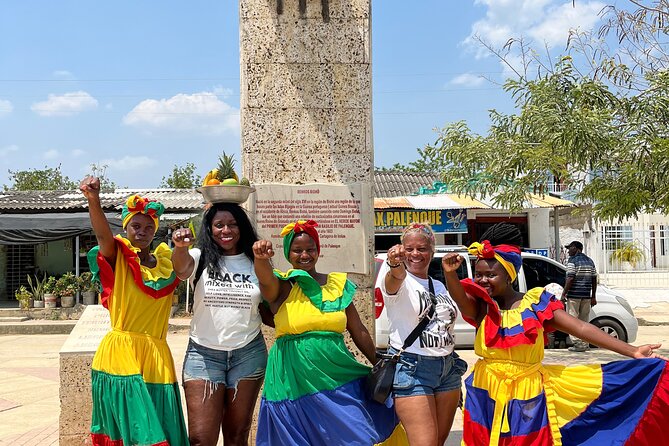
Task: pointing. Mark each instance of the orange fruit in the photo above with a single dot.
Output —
(213, 182)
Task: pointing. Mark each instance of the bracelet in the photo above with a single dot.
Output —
(393, 266)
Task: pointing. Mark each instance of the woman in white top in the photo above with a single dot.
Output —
(226, 356)
(428, 377)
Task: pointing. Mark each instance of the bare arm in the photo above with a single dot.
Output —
(90, 187)
(359, 333)
(593, 299)
(567, 286)
(397, 272)
(181, 260)
(468, 305)
(271, 288)
(589, 333)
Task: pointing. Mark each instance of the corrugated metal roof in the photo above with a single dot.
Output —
(173, 199)
(392, 203)
(391, 183)
(445, 201)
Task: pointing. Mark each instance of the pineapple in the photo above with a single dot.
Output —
(226, 170)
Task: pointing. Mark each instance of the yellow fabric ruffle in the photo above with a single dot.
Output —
(334, 287)
(163, 268)
(298, 314)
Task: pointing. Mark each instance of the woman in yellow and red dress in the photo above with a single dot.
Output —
(514, 399)
(136, 399)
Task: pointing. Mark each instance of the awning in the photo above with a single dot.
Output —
(30, 229)
(453, 201)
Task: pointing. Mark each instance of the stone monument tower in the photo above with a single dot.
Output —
(306, 113)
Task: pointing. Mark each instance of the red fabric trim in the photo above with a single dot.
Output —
(133, 264)
(492, 335)
(649, 429)
(475, 434)
(106, 279)
(104, 440)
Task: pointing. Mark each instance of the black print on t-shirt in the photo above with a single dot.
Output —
(228, 290)
(436, 334)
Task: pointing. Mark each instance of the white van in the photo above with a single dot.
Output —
(613, 314)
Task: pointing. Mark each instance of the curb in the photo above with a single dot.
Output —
(35, 329)
(645, 323)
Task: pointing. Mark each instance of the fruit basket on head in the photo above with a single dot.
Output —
(226, 193)
(222, 185)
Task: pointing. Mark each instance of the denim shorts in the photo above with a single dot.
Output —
(226, 368)
(417, 375)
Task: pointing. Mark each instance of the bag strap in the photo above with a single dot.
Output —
(422, 323)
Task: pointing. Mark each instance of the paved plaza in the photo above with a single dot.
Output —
(29, 376)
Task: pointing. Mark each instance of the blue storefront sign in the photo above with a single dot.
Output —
(443, 221)
(540, 251)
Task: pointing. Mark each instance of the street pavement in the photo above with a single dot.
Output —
(29, 376)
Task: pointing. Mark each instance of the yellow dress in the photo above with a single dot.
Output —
(136, 398)
(512, 398)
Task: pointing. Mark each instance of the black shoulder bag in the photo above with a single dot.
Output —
(379, 382)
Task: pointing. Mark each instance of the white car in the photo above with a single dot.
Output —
(613, 314)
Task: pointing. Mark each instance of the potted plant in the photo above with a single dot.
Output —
(628, 255)
(50, 293)
(89, 289)
(24, 297)
(37, 289)
(67, 286)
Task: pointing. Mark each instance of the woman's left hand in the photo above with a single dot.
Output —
(647, 351)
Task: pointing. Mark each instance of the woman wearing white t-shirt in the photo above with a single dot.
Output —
(428, 378)
(226, 356)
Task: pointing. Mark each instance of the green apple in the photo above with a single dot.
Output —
(229, 181)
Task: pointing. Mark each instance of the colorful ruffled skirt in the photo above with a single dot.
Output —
(619, 403)
(136, 398)
(314, 395)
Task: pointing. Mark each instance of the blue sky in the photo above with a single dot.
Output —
(142, 86)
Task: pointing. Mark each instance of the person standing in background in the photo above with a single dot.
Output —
(580, 288)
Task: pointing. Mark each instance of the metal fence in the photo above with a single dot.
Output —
(633, 253)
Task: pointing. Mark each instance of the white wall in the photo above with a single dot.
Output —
(539, 228)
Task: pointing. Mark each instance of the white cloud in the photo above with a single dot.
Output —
(544, 21)
(128, 163)
(554, 30)
(51, 154)
(5, 151)
(201, 112)
(76, 153)
(63, 74)
(65, 105)
(6, 107)
(467, 80)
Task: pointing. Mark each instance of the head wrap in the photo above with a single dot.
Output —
(507, 255)
(288, 233)
(139, 205)
(421, 228)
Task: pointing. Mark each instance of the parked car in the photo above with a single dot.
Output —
(612, 314)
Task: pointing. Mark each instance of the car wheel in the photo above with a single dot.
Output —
(611, 327)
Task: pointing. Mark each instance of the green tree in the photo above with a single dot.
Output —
(182, 177)
(100, 171)
(612, 149)
(49, 178)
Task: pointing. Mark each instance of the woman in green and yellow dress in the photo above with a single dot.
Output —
(314, 391)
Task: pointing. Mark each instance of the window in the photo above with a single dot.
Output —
(614, 236)
(539, 273)
(436, 272)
